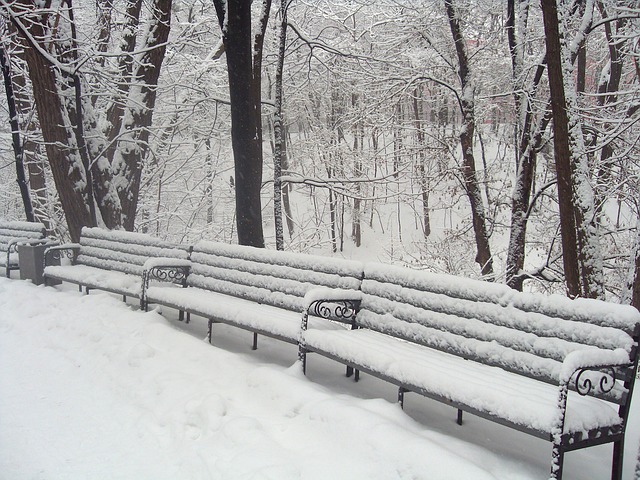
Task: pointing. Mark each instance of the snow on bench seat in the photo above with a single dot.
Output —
(112, 261)
(274, 322)
(559, 369)
(254, 289)
(518, 399)
(97, 278)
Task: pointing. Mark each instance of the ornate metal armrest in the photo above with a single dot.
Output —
(172, 270)
(589, 372)
(69, 250)
(593, 369)
(333, 304)
(167, 270)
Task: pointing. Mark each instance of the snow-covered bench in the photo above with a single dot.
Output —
(115, 261)
(12, 233)
(255, 289)
(560, 369)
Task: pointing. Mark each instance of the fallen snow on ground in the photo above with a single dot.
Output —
(91, 388)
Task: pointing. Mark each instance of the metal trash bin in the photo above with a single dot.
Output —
(31, 258)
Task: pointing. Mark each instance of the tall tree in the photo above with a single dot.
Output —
(15, 135)
(466, 100)
(583, 270)
(91, 166)
(244, 66)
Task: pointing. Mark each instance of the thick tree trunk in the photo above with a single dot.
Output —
(246, 132)
(62, 152)
(33, 160)
(561, 148)
(133, 143)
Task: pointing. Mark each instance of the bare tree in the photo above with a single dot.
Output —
(467, 132)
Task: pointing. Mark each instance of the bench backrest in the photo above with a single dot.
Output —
(526, 333)
(266, 276)
(17, 230)
(123, 251)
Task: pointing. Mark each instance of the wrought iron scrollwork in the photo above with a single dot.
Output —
(344, 310)
(54, 255)
(169, 274)
(172, 274)
(588, 380)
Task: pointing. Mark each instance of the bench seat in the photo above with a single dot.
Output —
(559, 369)
(111, 260)
(484, 390)
(258, 290)
(267, 320)
(97, 278)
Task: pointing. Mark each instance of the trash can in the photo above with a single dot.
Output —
(31, 258)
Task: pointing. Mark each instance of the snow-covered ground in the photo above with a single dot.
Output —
(91, 388)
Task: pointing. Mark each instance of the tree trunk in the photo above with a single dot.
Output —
(246, 133)
(278, 131)
(15, 136)
(422, 173)
(483, 257)
(133, 144)
(561, 148)
(62, 152)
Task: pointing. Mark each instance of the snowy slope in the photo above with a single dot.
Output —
(91, 388)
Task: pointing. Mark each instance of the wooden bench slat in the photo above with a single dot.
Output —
(507, 325)
(583, 310)
(106, 259)
(12, 232)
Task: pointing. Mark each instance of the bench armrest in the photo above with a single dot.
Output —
(163, 269)
(331, 303)
(70, 250)
(583, 360)
(166, 269)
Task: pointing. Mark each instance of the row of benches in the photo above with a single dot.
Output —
(559, 369)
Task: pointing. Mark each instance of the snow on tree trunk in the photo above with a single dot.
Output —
(133, 142)
(589, 251)
(62, 150)
(561, 146)
(15, 134)
(466, 100)
(278, 130)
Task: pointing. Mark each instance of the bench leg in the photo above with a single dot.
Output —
(618, 452)
(401, 397)
(557, 461)
(459, 419)
(188, 317)
(357, 375)
(124, 298)
(302, 357)
(210, 330)
(80, 288)
(349, 371)
(181, 316)
(255, 342)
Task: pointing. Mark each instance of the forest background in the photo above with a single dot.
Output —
(496, 139)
